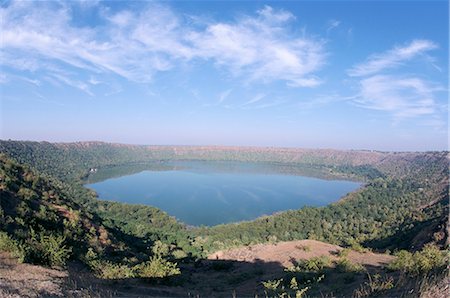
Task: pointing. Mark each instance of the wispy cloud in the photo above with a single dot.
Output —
(137, 45)
(94, 81)
(265, 105)
(392, 58)
(224, 95)
(73, 83)
(319, 101)
(401, 94)
(255, 99)
(41, 98)
(3, 78)
(133, 45)
(8, 77)
(261, 48)
(332, 24)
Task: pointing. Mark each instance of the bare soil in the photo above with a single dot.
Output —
(25, 280)
(287, 252)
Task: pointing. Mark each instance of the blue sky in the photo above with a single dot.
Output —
(336, 74)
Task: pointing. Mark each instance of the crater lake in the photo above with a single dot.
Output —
(210, 193)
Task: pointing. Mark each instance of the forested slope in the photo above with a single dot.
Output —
(41, 223)
(39, 216)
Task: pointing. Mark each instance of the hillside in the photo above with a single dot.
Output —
(39, 216)
(242, 273)
(42, 224)
(49, 218)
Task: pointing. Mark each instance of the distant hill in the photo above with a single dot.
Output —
(73, 160)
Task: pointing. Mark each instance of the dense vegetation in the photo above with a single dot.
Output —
(40, 223)
(48, 217)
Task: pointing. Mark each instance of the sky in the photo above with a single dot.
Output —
(313, 74)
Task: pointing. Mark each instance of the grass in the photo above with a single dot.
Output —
(375, 285)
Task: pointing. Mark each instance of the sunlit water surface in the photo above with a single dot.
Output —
(210, 193)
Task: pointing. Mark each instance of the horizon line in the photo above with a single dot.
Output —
(230, 146)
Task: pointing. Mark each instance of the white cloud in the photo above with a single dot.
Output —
(261, 48)
(160, 31)
(132, 45)
(404, 97)
(392, 58)
(399, 93)
(275, 16)
(138, 44)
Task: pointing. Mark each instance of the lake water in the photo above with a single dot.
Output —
(210, 193)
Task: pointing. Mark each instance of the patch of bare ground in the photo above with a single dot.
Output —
(25, 280)
(285, 252)
(269, 262)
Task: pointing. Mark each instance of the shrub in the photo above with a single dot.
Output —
(343, 252)
(54, 252)
(272, 285)
(110, 270)
(278, 288)
(179, 254)
(345, 265)
(106, 269)
(404, 262)
(12, 246)
(47, 249)
(315, 264)
(160, 249)
(356, 246)
(421, 262)
(157, 267)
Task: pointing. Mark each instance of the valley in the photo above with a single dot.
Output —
(401, 212)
